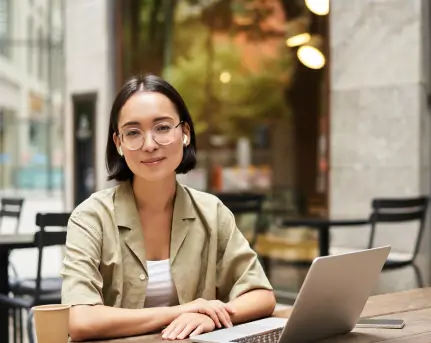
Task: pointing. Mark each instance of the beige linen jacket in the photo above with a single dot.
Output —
(105, 257)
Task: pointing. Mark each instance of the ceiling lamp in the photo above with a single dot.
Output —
(297, 32)
(298, 40)
(311, 54)
(225, 77)
(319, 7)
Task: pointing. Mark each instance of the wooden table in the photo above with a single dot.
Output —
(9, 242)
(413, 306)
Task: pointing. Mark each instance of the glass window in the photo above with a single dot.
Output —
(257, 110)
(260, 113)
(30, 48)
(41, 57)
(5, 27)
(8, 148)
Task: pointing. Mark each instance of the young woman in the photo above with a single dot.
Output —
(151, 254)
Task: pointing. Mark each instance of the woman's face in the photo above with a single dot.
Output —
(150, 119)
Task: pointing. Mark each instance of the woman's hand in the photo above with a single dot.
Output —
(218, 311)
(188, 324)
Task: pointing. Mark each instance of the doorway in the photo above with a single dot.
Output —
(84, 112)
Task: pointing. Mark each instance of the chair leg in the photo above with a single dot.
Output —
(18, 334)
(15, 331)
(17, 226)
(266, 265)
(30, 326)
(21, 326)
(418, 274)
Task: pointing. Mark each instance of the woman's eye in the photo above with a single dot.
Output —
(132, 133)
(163, 128)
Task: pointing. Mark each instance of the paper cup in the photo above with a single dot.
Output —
(52, 323)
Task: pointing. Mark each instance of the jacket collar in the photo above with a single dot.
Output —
(127, 216)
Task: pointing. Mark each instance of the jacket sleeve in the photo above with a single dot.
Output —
(238, 268)
(82, 281)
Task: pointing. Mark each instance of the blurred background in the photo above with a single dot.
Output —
(315, 108)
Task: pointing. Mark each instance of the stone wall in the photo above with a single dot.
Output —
(380, 120)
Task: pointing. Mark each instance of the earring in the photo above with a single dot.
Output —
(120, 151)
(185, 140)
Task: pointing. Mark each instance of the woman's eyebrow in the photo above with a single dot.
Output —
(134, 122)
(128, 123)
(162, 118)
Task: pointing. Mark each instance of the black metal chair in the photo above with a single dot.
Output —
(400, 210)
(11, 208)
(39, 291)
(245, 203)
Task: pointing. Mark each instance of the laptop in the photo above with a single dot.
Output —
(329, 303)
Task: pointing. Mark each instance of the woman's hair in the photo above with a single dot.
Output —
(116, 165)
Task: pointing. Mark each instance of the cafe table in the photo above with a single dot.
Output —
(414, 306)
(323, 226)
(9, 242)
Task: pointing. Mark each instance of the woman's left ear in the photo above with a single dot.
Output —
(186, 134)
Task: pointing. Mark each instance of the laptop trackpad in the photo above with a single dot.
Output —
(242, 330)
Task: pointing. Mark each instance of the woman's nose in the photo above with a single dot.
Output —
(149, 143)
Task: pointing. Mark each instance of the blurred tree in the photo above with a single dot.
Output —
(177, 39)
(244, 100)
(213, 78)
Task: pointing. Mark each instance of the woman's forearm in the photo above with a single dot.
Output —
(90, 322)
(253, 305)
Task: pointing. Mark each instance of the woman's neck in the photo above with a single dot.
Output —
(154, 195)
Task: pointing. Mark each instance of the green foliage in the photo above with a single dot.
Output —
(251, 97)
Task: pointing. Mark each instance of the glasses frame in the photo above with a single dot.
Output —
(121, 136)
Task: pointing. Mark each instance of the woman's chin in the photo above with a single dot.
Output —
(155, 175)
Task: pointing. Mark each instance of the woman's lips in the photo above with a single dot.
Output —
(153, 161)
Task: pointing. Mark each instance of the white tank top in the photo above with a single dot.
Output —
(161, 290)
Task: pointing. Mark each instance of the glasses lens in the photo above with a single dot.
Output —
(164, 133)
(133, 139)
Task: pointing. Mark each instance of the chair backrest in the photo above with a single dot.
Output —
(290, 201)
(44, 238)
(11, 207)
(399, 210)
(60, 219)
(244, 203)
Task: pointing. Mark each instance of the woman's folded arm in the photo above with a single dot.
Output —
(98, 321)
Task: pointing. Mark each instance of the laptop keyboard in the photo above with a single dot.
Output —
(265, 337)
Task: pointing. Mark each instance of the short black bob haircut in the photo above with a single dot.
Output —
(116, 165)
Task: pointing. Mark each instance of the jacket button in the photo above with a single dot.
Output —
(142, 277)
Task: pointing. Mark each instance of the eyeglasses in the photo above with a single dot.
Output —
(163, 134)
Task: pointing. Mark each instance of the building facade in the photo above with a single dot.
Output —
(380, 122)
(90, 90)
(31, 93)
